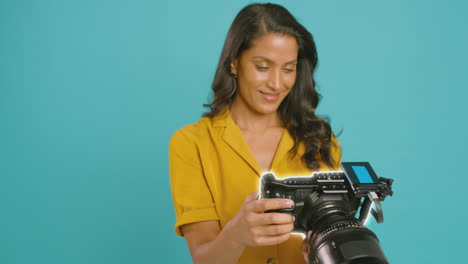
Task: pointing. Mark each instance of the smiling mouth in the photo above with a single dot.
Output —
(270, 97)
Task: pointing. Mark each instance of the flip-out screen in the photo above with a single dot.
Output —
(359, 172)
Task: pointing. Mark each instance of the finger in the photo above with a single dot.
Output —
(251, 197)
(305, 247)
(263, 205)
(276, 230)
(306, 257)
(272, 240)
(275, 219)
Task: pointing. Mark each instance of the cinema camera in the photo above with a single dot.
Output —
(326, 204)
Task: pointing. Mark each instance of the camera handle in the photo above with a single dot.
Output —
(366, 208)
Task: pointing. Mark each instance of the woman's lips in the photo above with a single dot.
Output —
(270, 97)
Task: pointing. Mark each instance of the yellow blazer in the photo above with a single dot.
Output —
(212, 170)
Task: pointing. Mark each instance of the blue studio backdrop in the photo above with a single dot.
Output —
(91, 92)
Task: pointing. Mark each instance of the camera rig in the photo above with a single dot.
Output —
(357, 180)
(327, 202)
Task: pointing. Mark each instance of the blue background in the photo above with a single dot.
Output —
(91, 91)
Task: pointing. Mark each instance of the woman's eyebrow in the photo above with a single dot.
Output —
(291, 62)
(263, 58)
(270, 61)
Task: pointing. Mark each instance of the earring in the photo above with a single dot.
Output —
(233, 88)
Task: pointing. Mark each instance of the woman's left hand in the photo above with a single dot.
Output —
(306, 247)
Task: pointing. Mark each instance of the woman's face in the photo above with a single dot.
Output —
(266, 72)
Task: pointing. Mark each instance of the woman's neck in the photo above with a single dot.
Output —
(248, 120)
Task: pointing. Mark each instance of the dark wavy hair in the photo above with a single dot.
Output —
(297, 110)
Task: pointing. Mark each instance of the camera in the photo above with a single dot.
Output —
(327, 203)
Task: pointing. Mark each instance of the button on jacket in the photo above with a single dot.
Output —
(212, 170)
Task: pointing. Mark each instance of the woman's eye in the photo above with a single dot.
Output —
(262, 68)
(288, 70)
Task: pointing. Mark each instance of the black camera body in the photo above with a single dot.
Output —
(326, 203)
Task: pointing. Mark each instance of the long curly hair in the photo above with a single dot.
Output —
(297, 110)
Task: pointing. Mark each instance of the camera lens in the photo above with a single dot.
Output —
(338, 237)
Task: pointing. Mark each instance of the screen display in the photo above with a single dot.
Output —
(362, 174)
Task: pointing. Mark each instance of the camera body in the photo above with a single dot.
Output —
(357, 180)
(326, 204)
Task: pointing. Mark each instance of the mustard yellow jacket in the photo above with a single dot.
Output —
(212, 170)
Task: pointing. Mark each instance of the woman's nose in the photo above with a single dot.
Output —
(274, 81)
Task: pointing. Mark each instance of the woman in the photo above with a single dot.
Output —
(262, 118)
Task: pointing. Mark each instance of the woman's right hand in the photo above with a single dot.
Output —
(252, 227)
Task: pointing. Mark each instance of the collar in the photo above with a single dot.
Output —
(232, 135)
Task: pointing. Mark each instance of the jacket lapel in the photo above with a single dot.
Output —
(234, 138)
(285, 144)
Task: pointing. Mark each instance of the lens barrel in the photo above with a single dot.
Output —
(349, 245)
(338, 237)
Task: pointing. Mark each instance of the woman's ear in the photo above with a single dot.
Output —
(234, 67)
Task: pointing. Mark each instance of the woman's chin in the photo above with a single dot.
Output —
(266, 109)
